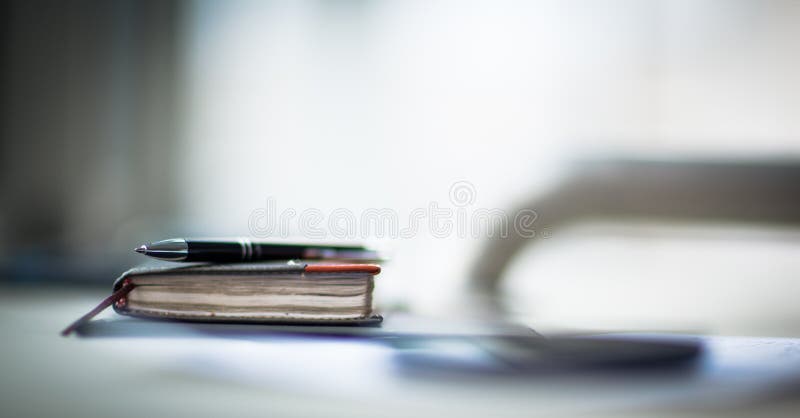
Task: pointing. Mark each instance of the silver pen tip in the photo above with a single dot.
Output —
(142, 249)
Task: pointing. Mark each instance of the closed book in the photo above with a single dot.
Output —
(252, 292)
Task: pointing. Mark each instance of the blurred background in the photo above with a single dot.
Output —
(131, 121)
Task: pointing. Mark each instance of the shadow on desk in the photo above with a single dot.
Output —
(434, 348)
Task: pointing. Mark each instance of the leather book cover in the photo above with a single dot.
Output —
(302, 271)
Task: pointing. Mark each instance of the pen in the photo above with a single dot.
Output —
(245, 249)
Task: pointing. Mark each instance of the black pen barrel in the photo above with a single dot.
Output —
(244, 249)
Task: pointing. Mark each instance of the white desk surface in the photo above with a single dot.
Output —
(44, 374)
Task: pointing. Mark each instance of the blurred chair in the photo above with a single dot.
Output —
(760, 192)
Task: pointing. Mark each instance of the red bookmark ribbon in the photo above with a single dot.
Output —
(126, 287)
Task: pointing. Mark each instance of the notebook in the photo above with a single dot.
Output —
(265, 292)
